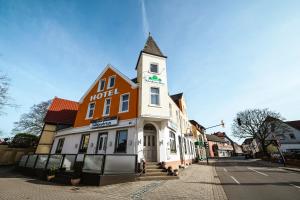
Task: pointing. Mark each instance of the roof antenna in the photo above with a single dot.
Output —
(149, 34)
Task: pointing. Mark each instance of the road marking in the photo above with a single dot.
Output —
(295, 186)
(235, 180)
(258, 172)
(225, 170)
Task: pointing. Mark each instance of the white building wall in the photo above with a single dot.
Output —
(72, 141)
(146, 109)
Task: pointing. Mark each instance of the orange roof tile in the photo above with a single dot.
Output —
(62, 111)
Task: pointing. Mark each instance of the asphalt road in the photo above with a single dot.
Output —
(250, 179)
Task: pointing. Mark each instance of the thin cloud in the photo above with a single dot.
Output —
(145, 18)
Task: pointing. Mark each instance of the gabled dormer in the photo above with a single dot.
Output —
(112, 94)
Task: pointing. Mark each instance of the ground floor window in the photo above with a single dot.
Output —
(172, 142)
(84, 144)
(121, 141)
(60, 145)
(185, 145)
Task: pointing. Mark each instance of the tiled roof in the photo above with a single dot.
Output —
(294, 124)
(248, 141)
(176, 98)
(152, 48)
(62, 111)
(134, 80)
(195, 123)
(214, 138)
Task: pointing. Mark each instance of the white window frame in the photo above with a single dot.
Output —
(109, 80)
(120, 104)
(88, 110)
(158, 96)
(157, 68)
(172, 140)
(105, 105)
(99, 85)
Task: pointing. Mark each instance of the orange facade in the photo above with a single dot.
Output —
(121, 86)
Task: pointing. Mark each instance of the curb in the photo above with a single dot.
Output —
(290, 169)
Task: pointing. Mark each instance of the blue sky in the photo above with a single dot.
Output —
(225, 56)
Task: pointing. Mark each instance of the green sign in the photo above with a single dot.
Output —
(154, 78)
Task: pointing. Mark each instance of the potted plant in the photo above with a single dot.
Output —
(76, 176)
(170, 171)
(176, 172)
(51, 174)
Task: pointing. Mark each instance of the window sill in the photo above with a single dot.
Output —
(153, 105)
(120, 112)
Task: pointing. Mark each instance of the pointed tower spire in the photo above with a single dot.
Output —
(151, 47)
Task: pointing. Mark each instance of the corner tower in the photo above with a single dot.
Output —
(152, 79)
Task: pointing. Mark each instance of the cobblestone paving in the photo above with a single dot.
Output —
(196, 182)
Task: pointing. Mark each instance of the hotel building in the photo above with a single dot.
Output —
(118, 115)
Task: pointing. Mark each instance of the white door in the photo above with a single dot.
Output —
(150, 146)
(102, 142)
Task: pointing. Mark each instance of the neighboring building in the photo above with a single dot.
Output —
(61, 114)
(288, 137)
(118, 115)
(250, 147)
(199, 132)
(219, 147)
(237, 149)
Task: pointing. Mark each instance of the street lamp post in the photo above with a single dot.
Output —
(207, 149)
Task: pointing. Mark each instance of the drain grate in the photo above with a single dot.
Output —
(146, 188)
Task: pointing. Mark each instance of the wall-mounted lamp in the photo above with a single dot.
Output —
(92, 144)
(110, 144)
(161, 142)
(76, 145)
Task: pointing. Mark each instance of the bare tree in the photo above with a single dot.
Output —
(33, 121)
(4, 98)
(258, 124)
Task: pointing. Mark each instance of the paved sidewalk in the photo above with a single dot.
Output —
(195, 182)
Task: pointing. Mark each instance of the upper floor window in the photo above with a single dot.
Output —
(84, 143)
(124, 103)
(106, 108)
(91, 110)
(154, 68)
(101, 85)
(121, 141)
(60, 145)
(154, 96)
(111, 82)
(172, 142)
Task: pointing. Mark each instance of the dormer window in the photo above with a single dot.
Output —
(101, 85)
(111, 82)
(154, 68)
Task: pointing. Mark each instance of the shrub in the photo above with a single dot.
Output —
(24, 140)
